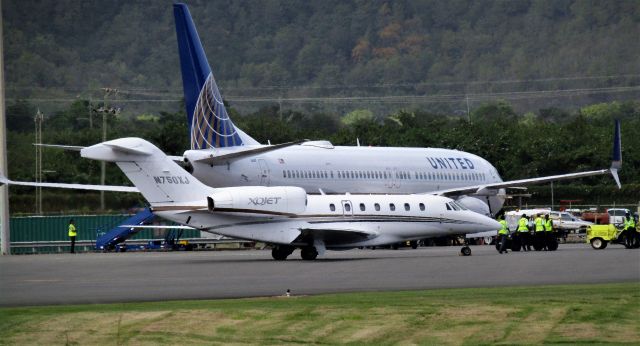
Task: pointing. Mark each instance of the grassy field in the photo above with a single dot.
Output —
(595, 314)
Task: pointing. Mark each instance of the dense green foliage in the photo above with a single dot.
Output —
(539, 81)
(519, 146)
(332, 48)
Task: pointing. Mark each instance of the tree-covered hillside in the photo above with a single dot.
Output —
(426, 54)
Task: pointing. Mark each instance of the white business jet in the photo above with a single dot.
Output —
(284, 216)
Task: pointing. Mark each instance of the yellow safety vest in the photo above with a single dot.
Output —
(548, 226)
(522, 225)
(72, 230)
(504, 229)
(539, 224)
(629, 223)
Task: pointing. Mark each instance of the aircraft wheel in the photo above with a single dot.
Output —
(395, 246)
(414, 244)
(308, 253)
(465, 251)
(598, 243)
(279, 254)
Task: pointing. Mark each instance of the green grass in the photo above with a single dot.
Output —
(594, 314)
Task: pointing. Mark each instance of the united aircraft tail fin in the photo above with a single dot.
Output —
(154, 174)
(208, 121)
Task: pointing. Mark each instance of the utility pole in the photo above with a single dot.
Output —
(90, 113)
(5, 239)
(38, 122)
(105, 111)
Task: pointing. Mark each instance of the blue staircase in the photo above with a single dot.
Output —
(118, 234)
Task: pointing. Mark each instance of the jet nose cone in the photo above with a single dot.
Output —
(490, 223)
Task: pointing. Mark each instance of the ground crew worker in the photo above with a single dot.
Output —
(72, 235)
(523, 231)
(548, 230)
(630, 230)
(539, 224)
(503, 232)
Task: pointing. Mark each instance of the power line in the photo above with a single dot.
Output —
(159, 92)
(435, 98)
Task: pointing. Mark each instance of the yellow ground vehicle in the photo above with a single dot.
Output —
(600, 235)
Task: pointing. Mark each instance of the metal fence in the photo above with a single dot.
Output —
(37, 234)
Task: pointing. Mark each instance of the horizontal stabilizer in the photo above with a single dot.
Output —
(223, 159)
(60, 146)
(113, 188)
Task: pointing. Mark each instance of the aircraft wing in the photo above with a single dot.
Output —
(114, 188)
(223, 159)
(159, 227)
(491, 189)
(485, 189)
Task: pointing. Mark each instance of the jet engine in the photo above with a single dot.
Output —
(475, 204)
(259, 199)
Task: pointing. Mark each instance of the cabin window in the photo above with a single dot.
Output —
(407, 207)
(284, 174)
(362, 208)
(347, 207)
(332, 207)
(448, 207)
(288, 174)
(422, 207)
(339, 175)
(331, 174)
(376, 207)
(392, 207)
(385, 175)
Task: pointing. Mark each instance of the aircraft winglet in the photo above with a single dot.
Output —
(616, 156)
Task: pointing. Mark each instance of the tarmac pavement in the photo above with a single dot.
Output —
(158, 276)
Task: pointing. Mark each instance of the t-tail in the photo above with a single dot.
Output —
(208, 121)
(160, 180)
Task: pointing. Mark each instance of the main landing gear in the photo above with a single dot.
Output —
(281, 252)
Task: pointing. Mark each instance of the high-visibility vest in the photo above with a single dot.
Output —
(523, 225)
(504, 229)
(72, 230)
(629, 223)
(539, 224)
(548, 225)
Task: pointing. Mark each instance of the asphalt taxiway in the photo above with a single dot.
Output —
(129, 277)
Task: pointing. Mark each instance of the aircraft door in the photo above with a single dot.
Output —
(392, 181)
(347, 208)
(264, 172)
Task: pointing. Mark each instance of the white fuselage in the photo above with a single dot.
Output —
(341, 221)
(386, 170)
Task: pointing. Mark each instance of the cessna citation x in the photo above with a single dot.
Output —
(223, 155)
(284, 216)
